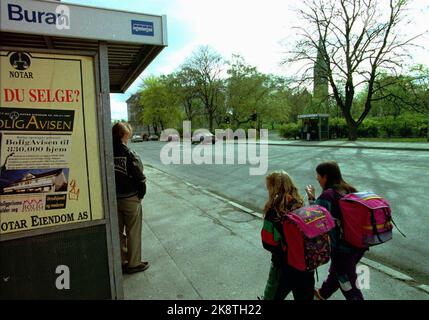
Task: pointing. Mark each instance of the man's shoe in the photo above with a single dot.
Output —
(124, 268)
(141, 267)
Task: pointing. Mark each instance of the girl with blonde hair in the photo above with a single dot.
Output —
(283, 197)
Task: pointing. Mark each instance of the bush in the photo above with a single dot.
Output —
(369, 128)
(387, 127)
(411, 125)
(407, 125)
(338, 128)
(403, 126)
(423, 131)
(290, 130)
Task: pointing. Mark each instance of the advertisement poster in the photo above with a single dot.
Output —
(49, 165)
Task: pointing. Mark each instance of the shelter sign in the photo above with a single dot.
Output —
(50, 168)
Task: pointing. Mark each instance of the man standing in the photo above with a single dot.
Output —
(130, 191)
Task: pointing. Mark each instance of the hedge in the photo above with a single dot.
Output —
(403, 126)
(290, 130)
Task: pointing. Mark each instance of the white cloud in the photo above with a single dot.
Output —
(118, 109)
(253, 29)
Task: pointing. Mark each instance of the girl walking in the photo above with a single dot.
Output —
(344, 258)
(283, 196)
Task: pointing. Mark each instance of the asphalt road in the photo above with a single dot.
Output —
(400, 176)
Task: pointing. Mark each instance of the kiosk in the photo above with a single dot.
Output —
(59, 62)
(314, 127)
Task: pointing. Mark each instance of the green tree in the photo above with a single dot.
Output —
(184, 86)
(204, 68)
(300, 101)
(246, 92)
(159, 105)
(409, 92)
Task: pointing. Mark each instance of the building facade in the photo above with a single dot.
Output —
(134, 112)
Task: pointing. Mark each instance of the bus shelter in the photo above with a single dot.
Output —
(59, 62)
(314, 126)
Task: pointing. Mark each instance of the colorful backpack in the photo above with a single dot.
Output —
(306, 231)
(366, 219)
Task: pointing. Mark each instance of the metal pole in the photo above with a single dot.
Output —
(110, 212)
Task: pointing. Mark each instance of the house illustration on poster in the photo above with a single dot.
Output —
(52, 181)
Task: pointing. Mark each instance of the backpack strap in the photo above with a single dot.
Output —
(374, 227)
(398, 228)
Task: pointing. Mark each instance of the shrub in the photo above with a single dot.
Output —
(423, 131)
(387, 127)
(290, 130)
(410, 125)
(369, 128)
(338, 128)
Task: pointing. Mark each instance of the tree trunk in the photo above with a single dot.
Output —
(353, 131)
(211, 122)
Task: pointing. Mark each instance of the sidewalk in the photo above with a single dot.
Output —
(201, 247)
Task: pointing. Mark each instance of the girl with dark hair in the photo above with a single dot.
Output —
(344, 258)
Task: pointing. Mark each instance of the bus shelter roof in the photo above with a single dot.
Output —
(133, 39)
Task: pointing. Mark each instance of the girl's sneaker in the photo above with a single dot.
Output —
(317, 295)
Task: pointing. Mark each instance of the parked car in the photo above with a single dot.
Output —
(168, 137)
(173, 137)
(153, 137)
(136, 138)
(204, 137)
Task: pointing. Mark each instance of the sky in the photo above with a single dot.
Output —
(260, 31)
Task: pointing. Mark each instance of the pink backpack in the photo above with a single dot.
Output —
(366, 219)
(306, 231)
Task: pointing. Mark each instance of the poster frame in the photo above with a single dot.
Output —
(75, 225)
(105, 155)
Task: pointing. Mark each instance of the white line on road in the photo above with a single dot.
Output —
(234, 204)
(424, 288)
(393, 273)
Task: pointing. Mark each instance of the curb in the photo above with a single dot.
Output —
(382, 268)
(424, 287)
(281, 144)
(350, 147)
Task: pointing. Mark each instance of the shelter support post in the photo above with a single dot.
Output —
(109, 183)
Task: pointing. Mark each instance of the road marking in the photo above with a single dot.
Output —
(393, 273)
(239, 206)
(424, 288)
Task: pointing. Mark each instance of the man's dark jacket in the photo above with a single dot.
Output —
(129, 176)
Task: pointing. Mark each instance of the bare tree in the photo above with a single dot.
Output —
(205, 66)
(356, 41)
